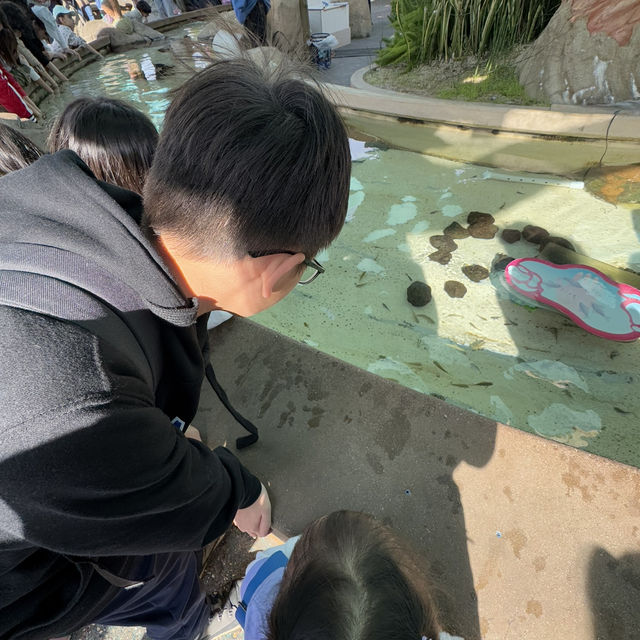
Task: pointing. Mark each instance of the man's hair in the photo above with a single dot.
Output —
(114, 139)
(351, 578)
(16, 150)
(250, 159)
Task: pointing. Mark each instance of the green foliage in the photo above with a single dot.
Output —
(426, 30)
(496, 83)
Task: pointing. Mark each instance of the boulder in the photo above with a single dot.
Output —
(587, 54)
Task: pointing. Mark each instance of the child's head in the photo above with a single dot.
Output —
(64, 16)
(40, 30)
(350, 578)
(251, 162)
(144, 8)
(16, 150)
(9, 46)
(112, 9)
(113, 138)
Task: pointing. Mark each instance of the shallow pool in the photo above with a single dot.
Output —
(471, 345)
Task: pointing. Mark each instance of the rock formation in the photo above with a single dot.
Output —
(588, 54)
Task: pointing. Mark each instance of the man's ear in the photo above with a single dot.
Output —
(277, 267)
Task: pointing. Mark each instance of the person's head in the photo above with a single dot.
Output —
(112, 9)
(40, 30)
(16, 150)
(114, 139)
(250, 179)
(349, 578)
(9, 46)
(16, 18)
(64, 16)
(144, 8)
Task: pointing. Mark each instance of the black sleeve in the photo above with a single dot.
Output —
(117, 478)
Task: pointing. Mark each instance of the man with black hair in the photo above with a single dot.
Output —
(105, 504)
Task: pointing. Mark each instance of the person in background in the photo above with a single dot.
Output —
(66, 26)
(16, 64)
(378, 589)
(145, 10)
(40, 9)
(166, 8)
(115, 140)
(22, 22)
(14, 100)
(25, 54)
(253, 15)
(16, 150)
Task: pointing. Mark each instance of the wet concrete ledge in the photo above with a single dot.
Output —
(524, 537)
(560, 139)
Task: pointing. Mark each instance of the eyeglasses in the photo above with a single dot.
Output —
(312, 267)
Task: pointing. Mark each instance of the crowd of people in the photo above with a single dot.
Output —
(107, 497)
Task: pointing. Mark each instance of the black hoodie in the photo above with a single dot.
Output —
(99, 351)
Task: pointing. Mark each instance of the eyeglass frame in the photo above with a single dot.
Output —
(309, 262)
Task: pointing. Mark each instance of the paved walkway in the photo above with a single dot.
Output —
(362, 52)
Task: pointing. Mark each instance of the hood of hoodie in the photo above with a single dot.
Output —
(71, 220)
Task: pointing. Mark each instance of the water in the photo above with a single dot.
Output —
(530, 368)
(112, 77)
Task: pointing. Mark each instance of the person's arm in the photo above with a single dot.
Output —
(119, 479)
(87, 46)
(49, 24)
(35, 63)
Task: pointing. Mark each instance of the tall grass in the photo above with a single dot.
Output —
(441, 29)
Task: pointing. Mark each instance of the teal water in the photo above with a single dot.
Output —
(531, 369)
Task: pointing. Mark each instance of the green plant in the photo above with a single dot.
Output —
(441, 29)
(497, 83)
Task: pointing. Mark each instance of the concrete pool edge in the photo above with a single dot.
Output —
(490, 505)
(493, 135)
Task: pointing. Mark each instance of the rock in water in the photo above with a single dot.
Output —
(456, 231)
(419, 293)
(442, 256)
(535, 235)
(455, 289)
(484, 230)
(475, 272)
(511, 235)
(443, 242)
(563, 242)
(477, 217)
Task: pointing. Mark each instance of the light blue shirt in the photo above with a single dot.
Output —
(261, 603)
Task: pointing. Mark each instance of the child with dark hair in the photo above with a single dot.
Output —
(16, 64)
(22, 23)
(346, 577)
(66, 26)
(115, 140)
(16, 150)
(144, 8)
(40, 9)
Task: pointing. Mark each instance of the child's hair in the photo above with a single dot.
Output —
(9, 47)
(143, 7)
(351, 578)
(113, 6)
(250, 159)
(113, 138)
(16, 150)
(20, 19)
